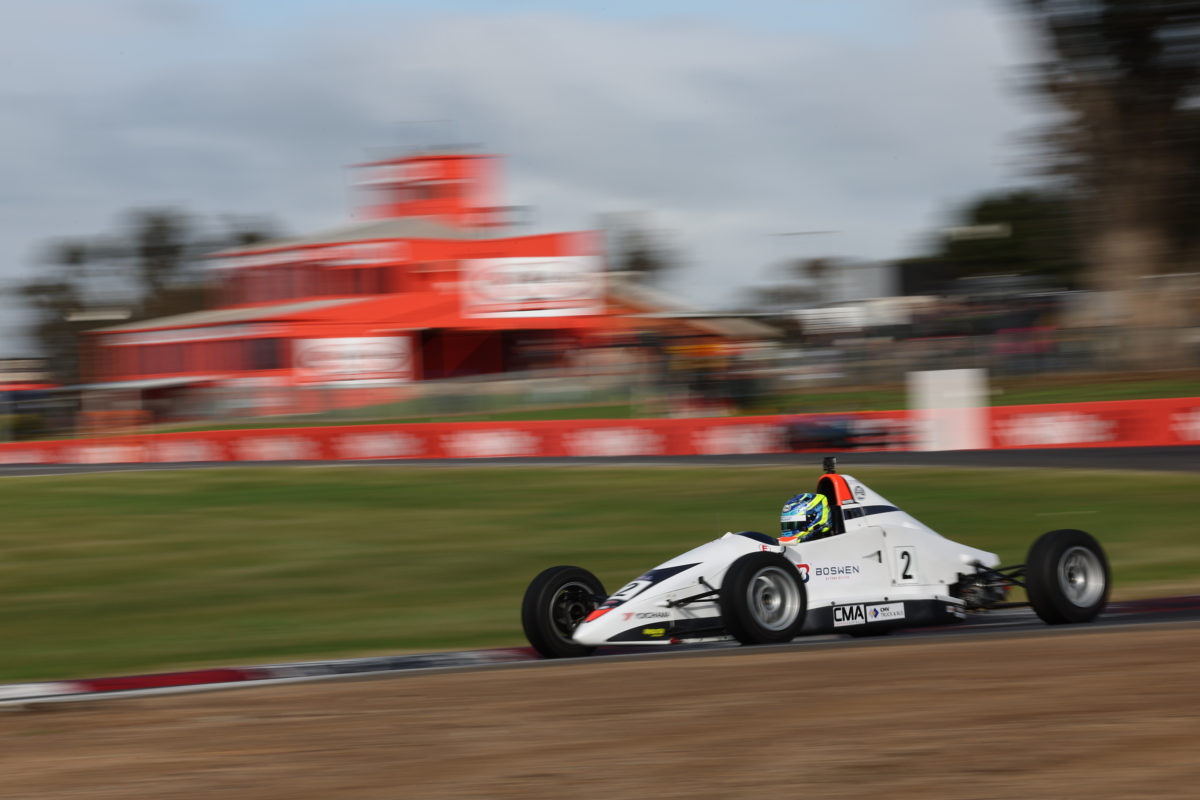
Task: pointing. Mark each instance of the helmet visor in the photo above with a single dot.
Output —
(813, 518)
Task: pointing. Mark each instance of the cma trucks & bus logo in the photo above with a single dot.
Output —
(886, 611)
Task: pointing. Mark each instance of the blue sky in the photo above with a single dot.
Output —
(877, 19)
(721, 124)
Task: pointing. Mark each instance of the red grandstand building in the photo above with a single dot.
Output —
(423, 286)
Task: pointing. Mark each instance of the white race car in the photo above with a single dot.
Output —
(880, 570)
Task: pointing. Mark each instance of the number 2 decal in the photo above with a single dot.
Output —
(906, 565)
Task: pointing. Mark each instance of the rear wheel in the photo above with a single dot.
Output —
(763, 599)
(557, 600)
(1067, 577)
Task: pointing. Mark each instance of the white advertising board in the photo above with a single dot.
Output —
(557, 286)
(364, 360)
(949, 409)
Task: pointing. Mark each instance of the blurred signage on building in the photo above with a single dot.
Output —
(364, 360)
(334, 255)
(557, 286)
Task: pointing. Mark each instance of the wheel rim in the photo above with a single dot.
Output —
(568, 607)
(774, 598)
(1081, 576)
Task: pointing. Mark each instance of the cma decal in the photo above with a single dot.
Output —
(849, 615)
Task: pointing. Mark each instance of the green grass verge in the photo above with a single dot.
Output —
(367, 416)
(159, 570)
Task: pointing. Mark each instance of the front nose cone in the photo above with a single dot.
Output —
(590, 632)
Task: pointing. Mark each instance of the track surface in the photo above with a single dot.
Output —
(1093, 714)
(1005, 622)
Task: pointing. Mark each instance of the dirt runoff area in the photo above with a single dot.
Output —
(1093, 714)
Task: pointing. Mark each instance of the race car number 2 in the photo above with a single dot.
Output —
(905, 566)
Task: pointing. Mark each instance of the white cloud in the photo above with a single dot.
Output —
(726, 134)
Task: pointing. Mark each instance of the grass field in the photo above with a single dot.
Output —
(157, 570)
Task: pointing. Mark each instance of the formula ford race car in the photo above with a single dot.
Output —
(880, 570)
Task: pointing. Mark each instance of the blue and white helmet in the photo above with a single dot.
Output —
(805, 516)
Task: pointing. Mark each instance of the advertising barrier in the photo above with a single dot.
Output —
(1115, 423)
(1130, 423)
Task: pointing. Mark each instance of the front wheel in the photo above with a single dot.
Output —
(557, 600)
(1067, 577)
(763, 599)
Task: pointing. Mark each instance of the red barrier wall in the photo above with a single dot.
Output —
(1119, 423)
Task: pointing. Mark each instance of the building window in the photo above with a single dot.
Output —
(264, 354)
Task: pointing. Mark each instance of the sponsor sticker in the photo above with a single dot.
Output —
(886, 611)
(837, 572)
(849, 615)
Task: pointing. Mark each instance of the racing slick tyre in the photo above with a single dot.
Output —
(1067, 577)
(763, 599)
(557, 600)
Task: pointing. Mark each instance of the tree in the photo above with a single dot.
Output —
(1031, 232)
(152, 268)
(1126, 74)
(160, 240)
(635, 249)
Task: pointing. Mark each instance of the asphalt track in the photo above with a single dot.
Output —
(1170, 459)
(1002, 623)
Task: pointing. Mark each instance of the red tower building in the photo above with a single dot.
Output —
(425, 285)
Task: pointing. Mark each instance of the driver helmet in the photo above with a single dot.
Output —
(804, 517)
